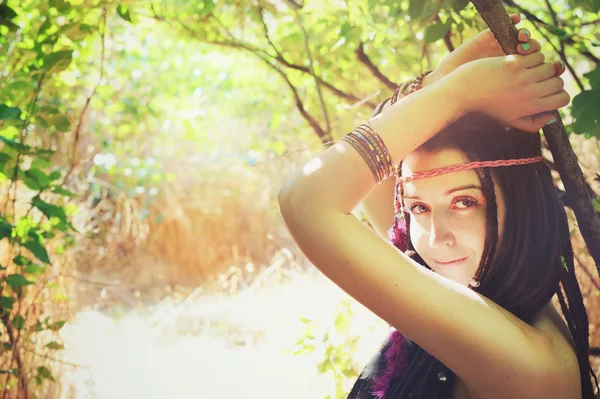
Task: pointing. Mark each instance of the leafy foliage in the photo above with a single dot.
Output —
(73, 68)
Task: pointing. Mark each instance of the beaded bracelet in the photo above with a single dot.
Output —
(409, 87)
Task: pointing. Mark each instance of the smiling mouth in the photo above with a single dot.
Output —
(449, 263)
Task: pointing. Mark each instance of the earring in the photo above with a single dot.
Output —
(474, 283)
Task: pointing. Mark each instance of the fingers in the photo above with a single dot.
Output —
(553, 102)
(515, 18)
(546, 71)
(559, 67)
(533, 123)
(531, 60)
(541, 72)
(524, 35)
(529, 47)
(550, 86)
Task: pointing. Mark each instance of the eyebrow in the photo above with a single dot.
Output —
(452, 190)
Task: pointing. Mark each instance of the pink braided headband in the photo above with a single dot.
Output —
(471, 165)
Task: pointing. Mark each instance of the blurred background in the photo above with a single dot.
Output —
(143, 144)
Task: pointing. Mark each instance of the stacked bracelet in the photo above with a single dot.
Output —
(409, 87)
(373, 150)
(370, 145)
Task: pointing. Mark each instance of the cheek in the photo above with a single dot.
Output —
(469, 233)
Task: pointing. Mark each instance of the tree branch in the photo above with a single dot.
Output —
(88, 100)
(234, 43)
(570, 173)
(364, 59)
(532, 17)
(313, 74)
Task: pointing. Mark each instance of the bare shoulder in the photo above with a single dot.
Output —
(553, 327)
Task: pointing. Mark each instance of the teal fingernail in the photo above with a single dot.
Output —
(551, 121)
(526, 32)
(526, 46)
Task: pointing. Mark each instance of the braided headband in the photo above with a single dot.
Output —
(471, 165)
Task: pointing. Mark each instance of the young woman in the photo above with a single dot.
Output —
(480, 242)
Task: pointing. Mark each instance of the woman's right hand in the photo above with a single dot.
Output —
(520, 90)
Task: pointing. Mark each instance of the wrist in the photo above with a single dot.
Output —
(432, 78)
(452, 86)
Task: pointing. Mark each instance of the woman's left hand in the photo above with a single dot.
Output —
(485, 45)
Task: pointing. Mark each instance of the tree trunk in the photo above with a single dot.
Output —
(499, 22)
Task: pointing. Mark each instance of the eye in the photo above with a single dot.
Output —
(467, 202)
(417, 209)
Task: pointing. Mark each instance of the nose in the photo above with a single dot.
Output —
(440, 234)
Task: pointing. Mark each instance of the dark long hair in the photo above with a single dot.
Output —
(533, 262)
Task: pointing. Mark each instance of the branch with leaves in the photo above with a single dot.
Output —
(494, 14)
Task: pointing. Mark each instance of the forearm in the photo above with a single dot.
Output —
(339, 179)
(382, 195)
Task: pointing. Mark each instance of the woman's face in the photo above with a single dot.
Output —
(447, 214)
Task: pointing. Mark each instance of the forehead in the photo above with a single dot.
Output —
(420, 161)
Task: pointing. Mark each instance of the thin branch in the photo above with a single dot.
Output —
(261, 54)
(366, 61)
(88, 100)
(325, 137)
(571, 175)
(22, 135)
(562, 53)
(266, 31)
(562, 56)
(587, 272)
(552, 13)
(532, 17)
(313, 74)
(448, 40)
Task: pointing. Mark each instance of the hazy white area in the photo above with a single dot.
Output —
(213, 347)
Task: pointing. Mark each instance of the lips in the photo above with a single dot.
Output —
(449, 263)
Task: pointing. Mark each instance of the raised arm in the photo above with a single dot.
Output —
(500, 356)
(379, 203)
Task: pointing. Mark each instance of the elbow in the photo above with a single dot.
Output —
(297, 205)
(287, 201)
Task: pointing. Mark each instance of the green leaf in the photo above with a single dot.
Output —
(39, 179)
(17, 280)
(44, 373)
(57, 325)
(15, 145)
(594, 78)
(586, 113)
(34, 269)
(123, 12)
(61, 123)
(459, 5)
(4, 158)
(20, 260)
(49, 210)
(12, 113)
(435, 32)
(38, 250)
(6, 302)
(5, 230)
(7, 12)
(60, 5)
(415, 8)
(207, 7)
(57, 61)
(62, 191)
(18, 321)
(76, 31)
(596, 203)
(55, 346)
